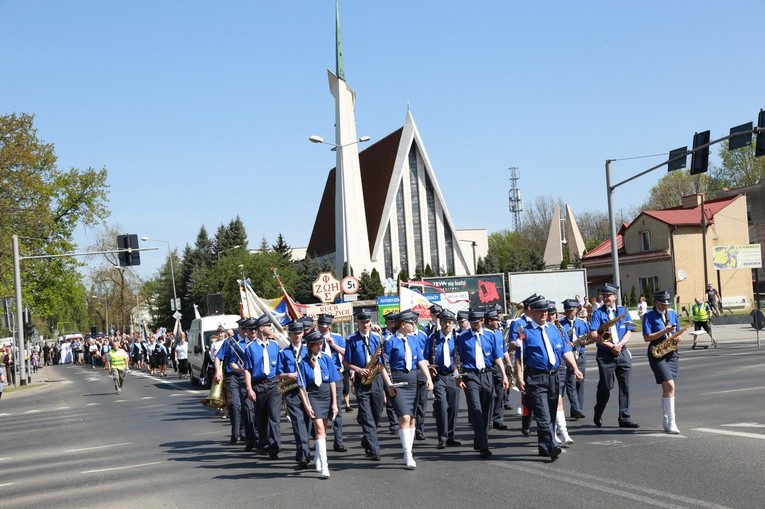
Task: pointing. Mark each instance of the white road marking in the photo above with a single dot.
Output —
(6, 484)
(92, 404)
(663, 435)
(8, 458)
(63, 408)
(649, 496)
(120, 400)
(97, 447)
(199, 434)
(735, 390)
(120, 468)
(33, 411)
(607, 442)
(148, 397)
(4, 415)
(731, 433)
(744, 425)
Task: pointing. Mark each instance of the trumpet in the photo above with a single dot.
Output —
(666, 346)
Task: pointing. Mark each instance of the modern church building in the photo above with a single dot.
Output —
(382, 208)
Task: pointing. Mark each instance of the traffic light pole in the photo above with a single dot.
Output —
(611, 188)
(20, 358)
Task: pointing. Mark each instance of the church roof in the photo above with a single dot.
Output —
(376, 164)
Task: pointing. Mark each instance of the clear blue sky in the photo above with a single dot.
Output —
(201, 110)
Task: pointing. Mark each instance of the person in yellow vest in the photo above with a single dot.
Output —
(118, 360)
(701, 311)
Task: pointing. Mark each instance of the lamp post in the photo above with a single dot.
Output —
(343, 199)
(174, 307)
(473, 243)
(229, 249)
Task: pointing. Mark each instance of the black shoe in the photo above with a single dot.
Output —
(441, 445)
(508, 407)
(348, 409)
(453, 442)
(598, 421)
(302, 464)
(232, 441)
(553, 454)
(249, 448)
(577, 415)
(374, 457)
(419, 435)
(628, 424)
(392, 431)
(526, 433)
(485, 454)
(500, 425)
(340, 448)
(273, 455)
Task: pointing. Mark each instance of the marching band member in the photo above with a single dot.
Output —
(287, 373)
(360, 349)
(491, 323)
(477, 351)
(658, 324)
(317, 377)
(422, 390)
(560, 414)
(334, 346)
(537, 371)
(403, 355)
(439, 353)
(576, 331)
(390, 413)
(516, 326)
(231, 355)
(260, 378)
(613, 357)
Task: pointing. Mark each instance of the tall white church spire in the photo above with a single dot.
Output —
(351, 236)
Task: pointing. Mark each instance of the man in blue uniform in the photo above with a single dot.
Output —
(478, 352)
(543, 350)
(229, 361)
(334, 346)
(576, 331)
(287, 373)
(613, 357)
(262, 388)
(515, 336)
(491, 323)
(439, 353)
(360, 348)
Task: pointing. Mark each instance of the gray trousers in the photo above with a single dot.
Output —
(370, 401)
(610, 367)
(542, 397)
(479, 393)
(268, 409)
(446, 402)
(298, 419)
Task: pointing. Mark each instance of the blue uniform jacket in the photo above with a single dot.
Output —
(581, 329)
(328, 371)
(395, 351)
(439, 346)
(466, 345)
(355, 351)
(600, 316)
(534, 350)
(253, 361)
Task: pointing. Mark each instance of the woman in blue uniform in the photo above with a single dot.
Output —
(317, 377)
(658, 324)
(402, 355)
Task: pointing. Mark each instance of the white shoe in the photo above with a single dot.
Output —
(409, 460)
(567, 438)
(324, 472)
(557, 442)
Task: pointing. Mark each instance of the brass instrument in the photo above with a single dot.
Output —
(286, 385)
(604, 331)
(667, 346)
(373, 366)
(458, 360)
(215, 398)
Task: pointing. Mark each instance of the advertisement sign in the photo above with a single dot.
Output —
(746, 256)
(342, 312)
(483, 290)
(451, 301)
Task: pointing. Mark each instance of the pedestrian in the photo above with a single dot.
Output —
(402, 355)
(543, 350)
(161, 354)
(713, 299)
(9, 363)
(2, 380)
(659, 324)
(35, 361)
(446, 398)
(642, 307)
(287, 373)
(317, 378)
(229, 368)
(612, 329)
(576, 332)
(334, 347)
(118, 360)
(105, 348)
(700, 311)
(182, 355)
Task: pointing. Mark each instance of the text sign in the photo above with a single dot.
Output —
(326, 287)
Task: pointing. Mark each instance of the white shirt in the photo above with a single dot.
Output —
(182, 351)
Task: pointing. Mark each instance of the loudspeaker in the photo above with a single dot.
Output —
(93, 331)
(215, 304)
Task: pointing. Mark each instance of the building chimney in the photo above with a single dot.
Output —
(691, 201)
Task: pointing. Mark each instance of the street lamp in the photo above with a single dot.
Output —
(229, 249)
(174, 307)
(318, 139)
(473, 243)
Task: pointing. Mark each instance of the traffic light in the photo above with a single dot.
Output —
(677, 158)
(700, 157)
(759, 146)
(128, 250)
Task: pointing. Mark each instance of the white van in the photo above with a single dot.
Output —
(199, 339)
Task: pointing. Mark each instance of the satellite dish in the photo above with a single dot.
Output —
(681, 275)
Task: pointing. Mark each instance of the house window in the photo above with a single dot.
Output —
(648, 285)
(645, 241)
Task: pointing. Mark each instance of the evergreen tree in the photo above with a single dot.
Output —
(428, 271)
(263, 244)
(282, 248)
(371, 286)
(633, 296)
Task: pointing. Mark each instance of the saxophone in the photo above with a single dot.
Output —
(373, 366)
(604, 331)
(668, 345)
(287, 384)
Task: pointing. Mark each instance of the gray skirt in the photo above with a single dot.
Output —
(404, 402)
(321, 400)
(664, 369)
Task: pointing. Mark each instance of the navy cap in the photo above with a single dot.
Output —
(363, 315)
(391, 316)
(662, 297)
(570, 304)
(475, 315)
(462, 315)
(495, 308)
(295, 327)
(307, 321)
(530, 299)
(324, 320)
(539, 305)
(609, 288)
(551, 307)
(407, 316)
(250, 323)
(491, 314)
(435, 309)
(262, 320)
(446, 315)
(240, 321)
(313, 337)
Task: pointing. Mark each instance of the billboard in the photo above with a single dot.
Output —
(483, 290)
(746, 256)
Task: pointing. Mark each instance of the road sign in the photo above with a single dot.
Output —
(350, 285)
(326, 287)
(177, 315)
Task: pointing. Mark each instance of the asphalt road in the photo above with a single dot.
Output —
(74, 443)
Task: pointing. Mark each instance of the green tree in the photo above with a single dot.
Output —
(371, 286)
(309, 269)
(43, 205)
(670, 188)
(633, 297)
(282, 247)
(738, 168)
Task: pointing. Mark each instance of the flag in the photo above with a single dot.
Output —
(409, 299)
